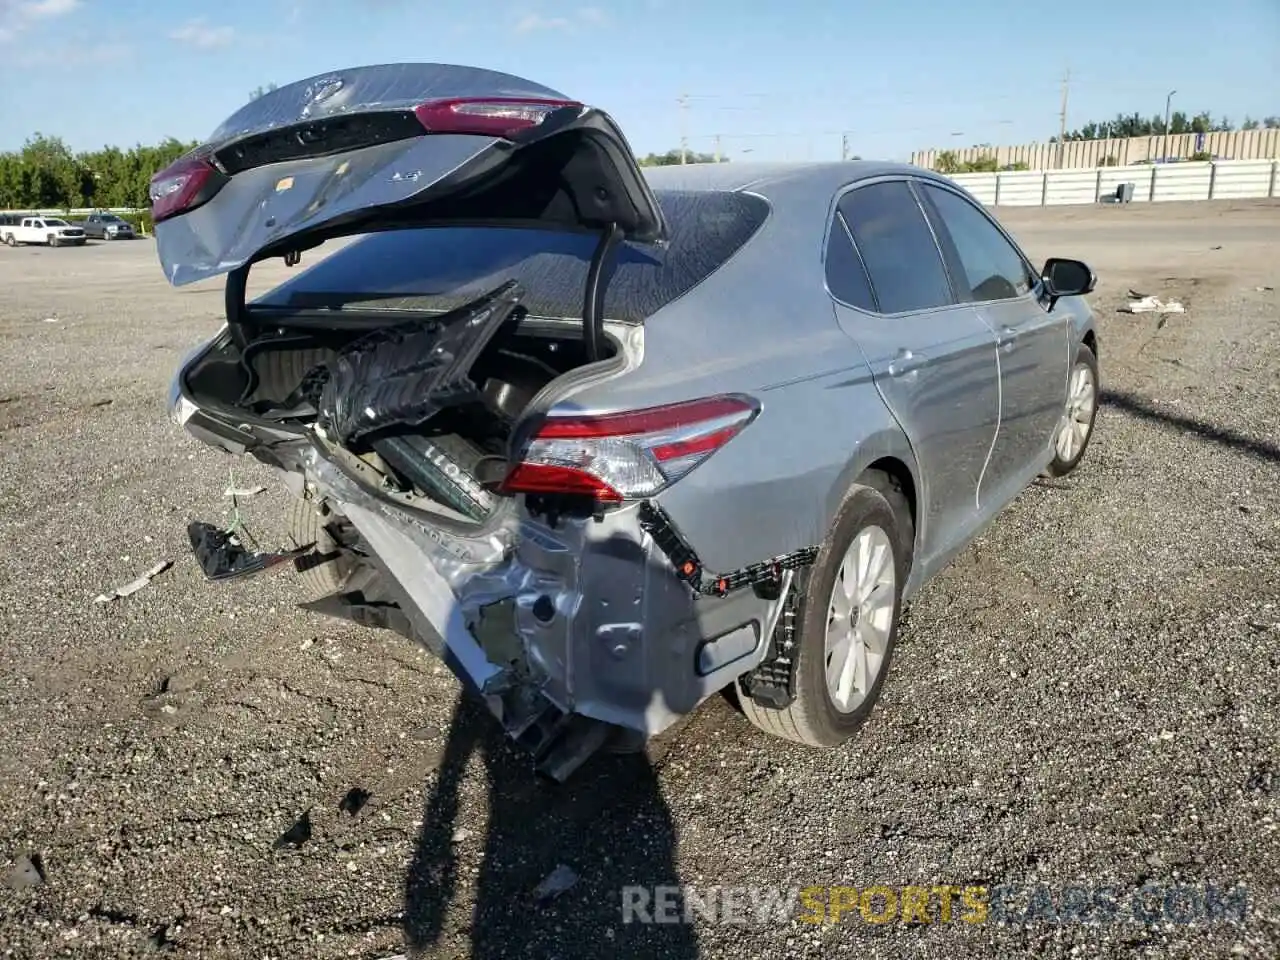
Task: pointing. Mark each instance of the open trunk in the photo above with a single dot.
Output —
(420, 402)
(420, 408)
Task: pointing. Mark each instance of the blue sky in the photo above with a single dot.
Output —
(775, 80)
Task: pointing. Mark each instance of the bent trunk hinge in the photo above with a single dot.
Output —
(593, 305)
(234, 306)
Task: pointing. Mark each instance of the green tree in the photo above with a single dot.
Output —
(257, 92)
(947, 162)
(44, 173)
(672, 157)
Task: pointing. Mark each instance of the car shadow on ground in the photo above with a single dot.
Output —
(1146, 410)
(609, 824)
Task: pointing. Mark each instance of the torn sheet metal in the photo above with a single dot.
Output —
(134, 585)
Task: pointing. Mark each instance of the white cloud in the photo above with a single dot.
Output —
(583, 17)
(533, 22)
(80, 52)
(38, 9)
(17, 15)
(200, 33)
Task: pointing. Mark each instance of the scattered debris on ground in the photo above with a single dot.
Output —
(235, 493)
(27, 872)
(296, 835)
(1149, 304)
(134, 586)
(558, 881)
(354, 801)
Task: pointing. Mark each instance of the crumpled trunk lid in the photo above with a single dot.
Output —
(397, 146)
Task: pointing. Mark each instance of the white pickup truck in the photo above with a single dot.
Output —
(54, 231)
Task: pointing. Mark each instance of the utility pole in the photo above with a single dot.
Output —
(717, 148)
(1062, 118)
(684, 126)
(844, 146)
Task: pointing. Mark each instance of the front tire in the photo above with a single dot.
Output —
(1075, 429)
(849, 607)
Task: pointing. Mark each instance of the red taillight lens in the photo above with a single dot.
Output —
(181, 186)
(489, 116)
(624, 456)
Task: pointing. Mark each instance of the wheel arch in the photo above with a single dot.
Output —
(887, 452)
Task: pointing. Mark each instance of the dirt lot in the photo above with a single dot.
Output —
(1088, 695)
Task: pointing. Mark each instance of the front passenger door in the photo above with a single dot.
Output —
(1034, 343)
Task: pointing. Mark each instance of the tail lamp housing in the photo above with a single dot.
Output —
(628, 455)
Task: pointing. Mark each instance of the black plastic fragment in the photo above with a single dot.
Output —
(404, 375)
(296, 835)
(223, 557)
(354, 800)
(655, 522)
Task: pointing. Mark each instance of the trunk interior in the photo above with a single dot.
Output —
(457, 455)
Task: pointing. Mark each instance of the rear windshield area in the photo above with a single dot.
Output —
(440, 268)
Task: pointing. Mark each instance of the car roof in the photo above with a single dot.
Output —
(822, 179)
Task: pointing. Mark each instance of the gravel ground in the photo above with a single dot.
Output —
(1086, 696)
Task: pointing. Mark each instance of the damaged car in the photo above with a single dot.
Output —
(611, 441)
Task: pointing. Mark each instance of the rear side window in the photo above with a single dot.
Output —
(897, 246)
(846, 276)
(440, 268)
(993, 268)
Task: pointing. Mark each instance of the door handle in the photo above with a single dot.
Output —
(1006, 338)
(906, 362)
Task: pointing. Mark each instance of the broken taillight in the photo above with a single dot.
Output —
(629, 455)
(182, 186)
(487, 116)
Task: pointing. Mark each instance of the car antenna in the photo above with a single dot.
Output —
(593, 307)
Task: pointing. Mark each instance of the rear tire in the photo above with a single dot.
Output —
(873, 528)
(320, 577)
(1078, 416)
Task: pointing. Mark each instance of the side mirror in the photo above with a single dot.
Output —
(1067, 278)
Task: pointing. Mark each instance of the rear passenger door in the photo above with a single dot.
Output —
(1034, 343)
(933, 358)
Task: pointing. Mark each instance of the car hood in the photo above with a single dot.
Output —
(383, 147)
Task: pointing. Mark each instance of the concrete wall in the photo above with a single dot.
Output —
(1076, 154)
(1222, 180)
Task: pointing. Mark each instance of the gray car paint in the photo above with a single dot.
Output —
(268, 206)
(627, 638)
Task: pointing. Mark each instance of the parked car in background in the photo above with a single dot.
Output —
(54, 231)
(609, 441)
(107, 226)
